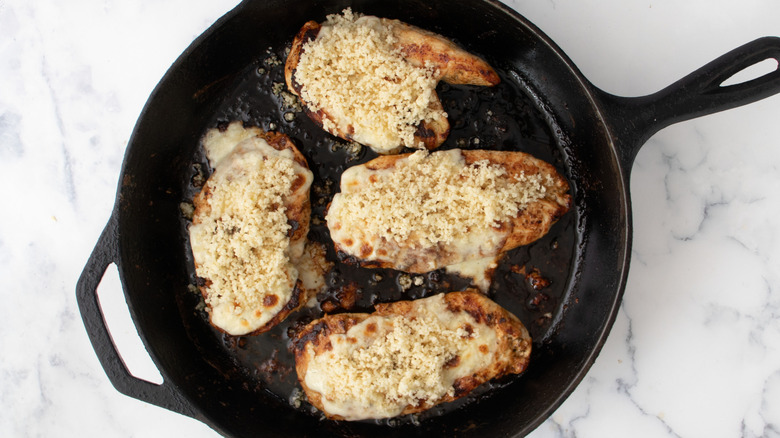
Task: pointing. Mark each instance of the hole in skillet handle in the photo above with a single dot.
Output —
(741, 76)
(105, 254)
(719, 85)
(756, 71)
(712, 88)
(123, 332)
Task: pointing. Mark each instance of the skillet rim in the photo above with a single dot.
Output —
(605, 329)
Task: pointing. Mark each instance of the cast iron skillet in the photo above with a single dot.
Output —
(566, 288)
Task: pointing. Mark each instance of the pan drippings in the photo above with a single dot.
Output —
(529, 282)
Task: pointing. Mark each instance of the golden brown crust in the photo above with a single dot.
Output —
(316, 333)
(202, 205)
(514, 340)
(298, 299)
(534, 221)
(455, 65)
(420, 48)
(530, 224)
(307, 33)
(512, 357)
(298, 206)
(298, 212)
(431, 133)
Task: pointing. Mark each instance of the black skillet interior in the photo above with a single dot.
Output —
(246, 386)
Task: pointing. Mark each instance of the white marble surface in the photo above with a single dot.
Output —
(695, 350)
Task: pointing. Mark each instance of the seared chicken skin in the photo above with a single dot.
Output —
(407, 356)
(370, 77)
(249, 227)
(424, 211)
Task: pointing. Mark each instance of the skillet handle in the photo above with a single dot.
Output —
(700, 93)
(105, 253)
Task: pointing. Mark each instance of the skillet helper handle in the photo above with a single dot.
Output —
(698, 94)
(105, 253)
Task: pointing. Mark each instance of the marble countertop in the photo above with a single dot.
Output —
(695, 349)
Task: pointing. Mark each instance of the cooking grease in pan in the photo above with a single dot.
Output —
(530, 281)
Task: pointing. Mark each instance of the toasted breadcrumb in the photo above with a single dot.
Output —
(433, 198)
(353, 70)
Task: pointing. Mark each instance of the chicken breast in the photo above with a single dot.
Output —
(248, 233)
(424, 211)
(373, 80)
(407, 356)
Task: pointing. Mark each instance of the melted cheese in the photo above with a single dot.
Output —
(240, 241)
(354, 72)
(407, 360)
(429, 210)
(479, 271)
(312, 267)
(218, 144)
